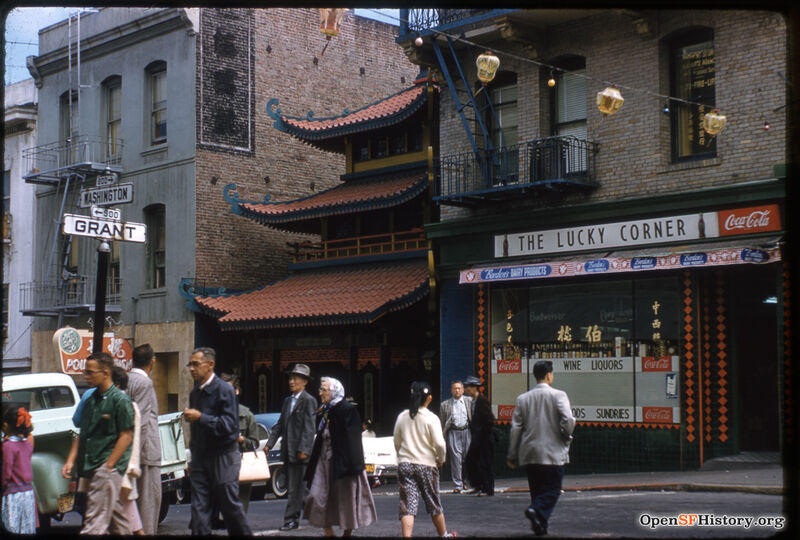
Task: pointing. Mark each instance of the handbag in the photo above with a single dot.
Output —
(254, 467)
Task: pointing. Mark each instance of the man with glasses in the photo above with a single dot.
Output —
(214, 430)
(104, 447)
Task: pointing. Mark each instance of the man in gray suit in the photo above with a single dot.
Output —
(455, 415)
(141, 390)
(541, 431)
(297, 426)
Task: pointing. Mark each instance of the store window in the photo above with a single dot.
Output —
(613, 344)
(155, 218)
(157, 92)
(692, 79)
(112, 89)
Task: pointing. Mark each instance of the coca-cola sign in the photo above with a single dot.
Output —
(509, 366)
(657, 415)
(754, 219)
(651, 363)
(505, 412)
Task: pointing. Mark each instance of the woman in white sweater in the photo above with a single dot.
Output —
(420, 449)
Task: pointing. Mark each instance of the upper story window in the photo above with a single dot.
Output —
(569, 99)
(112, 90)
(504, 122)
(6, 192)
(114, 282)
(692, 74)
(68, 116)
(157, 93)
(393, 142)
(155, 219)
(5, 311)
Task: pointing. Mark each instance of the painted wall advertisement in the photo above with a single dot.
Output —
(73, 346)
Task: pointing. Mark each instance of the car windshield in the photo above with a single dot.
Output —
(37, 399)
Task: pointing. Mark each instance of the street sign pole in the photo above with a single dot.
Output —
(103, 251)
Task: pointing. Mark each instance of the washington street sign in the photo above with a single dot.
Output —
(107, 196)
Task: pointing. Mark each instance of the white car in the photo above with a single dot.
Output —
(380, 458)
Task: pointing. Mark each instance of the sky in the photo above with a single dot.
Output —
(23, 24)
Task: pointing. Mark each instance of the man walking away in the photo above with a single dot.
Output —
(479, 460)
(216, 460)
(107, 420)
(456, 414)
(142, 392)
(297, 426)
(541, 431)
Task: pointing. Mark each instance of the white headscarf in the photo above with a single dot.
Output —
(337, 390)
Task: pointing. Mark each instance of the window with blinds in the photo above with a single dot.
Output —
(570, 115)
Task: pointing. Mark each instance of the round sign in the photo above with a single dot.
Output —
(70, 341)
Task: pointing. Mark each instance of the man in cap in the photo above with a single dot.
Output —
(297, 426)
(480, 456)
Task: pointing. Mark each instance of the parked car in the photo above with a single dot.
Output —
(52, 399)
(277, 482)
(380, 459)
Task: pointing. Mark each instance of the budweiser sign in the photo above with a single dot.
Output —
(509, 366)
(650, 363)
(754, 219)
(505, 412)
(657, 415)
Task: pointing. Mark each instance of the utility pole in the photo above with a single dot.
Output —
(103, 251)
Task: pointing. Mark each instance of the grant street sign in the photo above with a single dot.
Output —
(107, 196)
(101, 228)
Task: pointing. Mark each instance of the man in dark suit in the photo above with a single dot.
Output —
(480, 456)
(141, 390)
(214, 469)
(297, 427)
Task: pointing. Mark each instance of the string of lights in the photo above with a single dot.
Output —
(553, 69)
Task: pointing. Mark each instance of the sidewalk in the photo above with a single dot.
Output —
(743, 475)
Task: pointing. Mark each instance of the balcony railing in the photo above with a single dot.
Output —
(420, 21)
(360, 246)
(78, 293)
(553, 162)
(48, 163)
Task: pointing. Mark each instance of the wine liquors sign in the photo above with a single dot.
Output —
(681, 228)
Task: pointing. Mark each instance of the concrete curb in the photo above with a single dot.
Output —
(765, 490)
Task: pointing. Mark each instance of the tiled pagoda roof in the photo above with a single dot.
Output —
(324, 297)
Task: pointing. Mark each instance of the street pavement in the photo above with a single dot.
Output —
(632, 505)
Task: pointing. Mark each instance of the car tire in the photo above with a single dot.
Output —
(162, 512)
(278, 482)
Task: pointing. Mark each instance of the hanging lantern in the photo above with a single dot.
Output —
(330, 18)
(487, 67)
(609, 100)
(713, 122)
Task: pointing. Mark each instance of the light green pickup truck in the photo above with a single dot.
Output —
(52, 399)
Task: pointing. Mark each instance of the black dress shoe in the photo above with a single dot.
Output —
(289, 526)
(536, 522)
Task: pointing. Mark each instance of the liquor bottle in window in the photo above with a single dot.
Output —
(701, 227)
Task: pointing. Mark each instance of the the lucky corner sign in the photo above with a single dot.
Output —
(633, 233)
(74, 346)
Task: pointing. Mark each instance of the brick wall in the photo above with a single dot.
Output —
(635, 154)
(232, 250)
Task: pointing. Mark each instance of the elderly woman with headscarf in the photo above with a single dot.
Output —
(339, 492)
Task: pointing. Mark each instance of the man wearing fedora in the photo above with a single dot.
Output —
(297, 427)
(480, 455)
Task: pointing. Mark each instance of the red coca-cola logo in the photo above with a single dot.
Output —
(650, 363)
(749, 220)
(509, 366)
(505, 412)
(659, 415)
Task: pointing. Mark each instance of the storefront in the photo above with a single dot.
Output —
(663, 329)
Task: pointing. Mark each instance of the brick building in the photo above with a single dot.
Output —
(616, 245)
(206, 75)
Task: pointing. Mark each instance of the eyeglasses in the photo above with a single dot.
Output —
(195, 364)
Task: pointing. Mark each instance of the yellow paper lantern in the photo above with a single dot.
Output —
(609, 100)
(713, 122)
(330, 18)
(487, 67)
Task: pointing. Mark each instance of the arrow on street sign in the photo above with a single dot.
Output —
(101, 228)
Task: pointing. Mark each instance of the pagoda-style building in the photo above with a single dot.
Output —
(359, 301)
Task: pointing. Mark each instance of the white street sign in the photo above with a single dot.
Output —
(106, 213)
(101, 228)
(106, 180)
(107, 196)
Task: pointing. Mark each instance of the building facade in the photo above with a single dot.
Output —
(637, 251)
(170, 102)
(19, 215)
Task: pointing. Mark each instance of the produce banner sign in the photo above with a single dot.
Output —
(73, 346)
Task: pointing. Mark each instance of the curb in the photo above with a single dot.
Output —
(765, 490)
